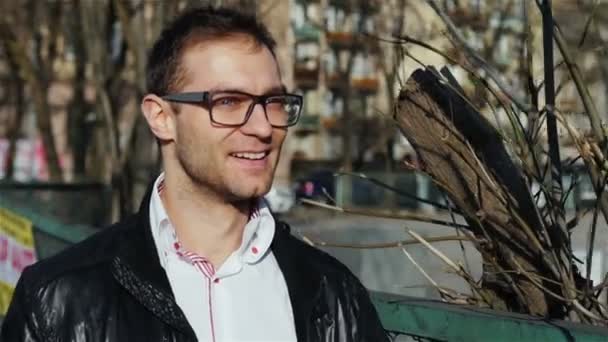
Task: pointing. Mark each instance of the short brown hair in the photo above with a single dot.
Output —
(164, 72)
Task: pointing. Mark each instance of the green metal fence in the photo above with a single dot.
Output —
(405, 318)
(436, 321)
(70, 203)
(50, 235)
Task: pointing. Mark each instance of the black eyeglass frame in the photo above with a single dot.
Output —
(204, 98)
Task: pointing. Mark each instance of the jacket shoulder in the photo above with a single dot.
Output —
(336, 285)
(96, 250)
(320, 261)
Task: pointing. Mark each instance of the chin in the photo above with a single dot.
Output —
(260, 191)
(249, 191)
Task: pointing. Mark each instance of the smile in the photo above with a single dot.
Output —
(250, 155)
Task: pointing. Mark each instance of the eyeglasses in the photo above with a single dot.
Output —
(233, 108)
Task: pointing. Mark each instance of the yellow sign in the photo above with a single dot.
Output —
(16, 253)
(17, 227)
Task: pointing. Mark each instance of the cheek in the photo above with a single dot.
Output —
(278, 137)
(193, 142)
(193, 130)
(185, 135)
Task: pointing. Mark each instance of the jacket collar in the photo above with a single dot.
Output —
(137, 268)
(302, 281)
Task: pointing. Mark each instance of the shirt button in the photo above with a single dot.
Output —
(216, 280)
(254, 250)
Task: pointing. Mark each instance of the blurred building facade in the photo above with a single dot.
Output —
(330, 52)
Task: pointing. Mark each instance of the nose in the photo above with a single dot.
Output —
(257, 124)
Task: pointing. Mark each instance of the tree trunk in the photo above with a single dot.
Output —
(19, 107)
(38, 87)
(79, 131)
(465, 156)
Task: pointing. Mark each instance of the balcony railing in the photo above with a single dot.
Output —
(306, 78)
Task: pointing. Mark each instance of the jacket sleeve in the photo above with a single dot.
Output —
(20, 323)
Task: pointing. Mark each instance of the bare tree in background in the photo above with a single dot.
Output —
(485, 145)
(528, 262)
(12, 98)
(41, 30)
(107, 42)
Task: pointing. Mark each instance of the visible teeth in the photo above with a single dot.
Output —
(247, 155)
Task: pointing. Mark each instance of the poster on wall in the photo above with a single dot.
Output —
(29, 160)
(16, 252)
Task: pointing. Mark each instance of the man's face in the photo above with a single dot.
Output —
(235, 163)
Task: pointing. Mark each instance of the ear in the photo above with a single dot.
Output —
(159, 117)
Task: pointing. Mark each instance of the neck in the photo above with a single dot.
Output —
(205, 223)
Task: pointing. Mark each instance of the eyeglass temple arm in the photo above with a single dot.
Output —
(187, 97)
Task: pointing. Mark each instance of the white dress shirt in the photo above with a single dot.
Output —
(245, 299)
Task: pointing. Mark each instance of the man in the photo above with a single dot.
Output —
(203, 259)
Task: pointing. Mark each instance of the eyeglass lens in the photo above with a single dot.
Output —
(232, 108)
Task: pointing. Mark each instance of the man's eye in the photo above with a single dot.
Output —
(228, 101)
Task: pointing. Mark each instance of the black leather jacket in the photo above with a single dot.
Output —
(111, 287)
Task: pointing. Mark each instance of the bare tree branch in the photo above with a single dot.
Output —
(477, 61)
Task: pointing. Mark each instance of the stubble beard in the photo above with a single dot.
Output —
(198, 167)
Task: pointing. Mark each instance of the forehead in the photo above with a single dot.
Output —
(237, 63)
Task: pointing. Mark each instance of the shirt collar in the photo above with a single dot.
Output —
(159, 221)
(257, 235)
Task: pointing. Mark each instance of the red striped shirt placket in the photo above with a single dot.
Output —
(206, 268)
(202, 264)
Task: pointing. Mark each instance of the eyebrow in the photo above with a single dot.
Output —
(274, 90)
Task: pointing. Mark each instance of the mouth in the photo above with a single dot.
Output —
(250, 155)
